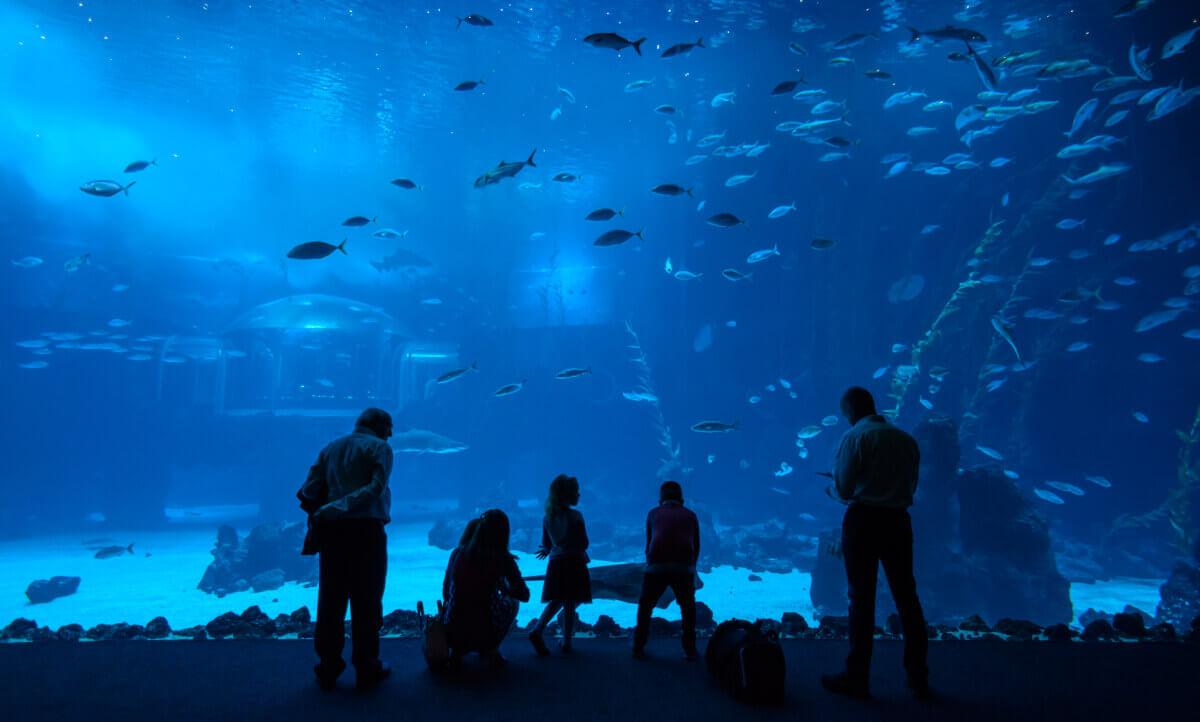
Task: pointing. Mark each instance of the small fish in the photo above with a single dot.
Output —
(110, 552)
(314, 250)
(781, 211)
(684, 275)
(990, 452)
(573, 373)
(735, 275)
(682, 48)
(797, 48)
(566, 94)
(612, 41)
(1069, 224)
(877, 74)
(737, 180)
(34, 365)
(830, 420)
(760, 256)
(671, 189)
(666, 110)
(1150, 358)
(754, 399)
(1176, 44)
(1048, 496)
(637, 85)
(565, 177)
(140, 165)
(880, 372)
(822, 244)
(714, 427)
(475, 19)
(603, 214)
(1099, 481)
(785, 87)
(723, 99)
(1141, 417)
(809, 432)
(616, 236)
(995, 384)
(357, 221)
(1064, 486)
(510, 389)
(1079, 346)
(724, 220)
(118, 323)
(28, 262)
(456, 374)
(105, 188)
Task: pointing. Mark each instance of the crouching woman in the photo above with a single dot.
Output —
(483, 590)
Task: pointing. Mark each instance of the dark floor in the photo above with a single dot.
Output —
(271, 679)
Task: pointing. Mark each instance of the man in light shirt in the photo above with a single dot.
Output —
(875, 473)
(349, 502)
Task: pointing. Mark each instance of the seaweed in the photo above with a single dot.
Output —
(671, 462)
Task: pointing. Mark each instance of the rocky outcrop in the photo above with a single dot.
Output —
(1180, 597)
(265, 559)
(41, 591)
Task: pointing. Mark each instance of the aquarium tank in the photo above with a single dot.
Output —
(631, 242)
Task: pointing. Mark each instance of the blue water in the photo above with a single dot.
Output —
(272, 122)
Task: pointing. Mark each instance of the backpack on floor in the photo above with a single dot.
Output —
(435, 644)
(747, 660)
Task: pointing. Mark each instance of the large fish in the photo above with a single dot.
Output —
(504, 169)
(315, 249)
(612, 41)
(682, 48)
(986, 74)
(420, 441)
(105, 188)
(948, 32)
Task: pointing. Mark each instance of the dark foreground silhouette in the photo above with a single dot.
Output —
(268, 679)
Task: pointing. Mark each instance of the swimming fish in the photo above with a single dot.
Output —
(468, 85)
(573, 373)
(105, 188)
(111, 552)
(1064, 486)
(603, 214)
(988, 451)
(682, 48)
(475, 19)
(406, 184)
(714, 427)
(456, 374)
(724, 220)
(315, 249)
(357, 221)
(1048, 496)
(510, 389)
(612, 41)
(781, 211)
(140, 165)
(504, 169)
(616, 237)
(670, 189)
(760, 256)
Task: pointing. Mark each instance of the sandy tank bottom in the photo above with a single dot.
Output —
(135, 588)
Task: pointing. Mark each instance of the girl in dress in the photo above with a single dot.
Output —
(565, 543)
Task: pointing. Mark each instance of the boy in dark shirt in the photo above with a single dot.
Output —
(672, 548)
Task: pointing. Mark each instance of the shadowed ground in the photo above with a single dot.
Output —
(271, 679)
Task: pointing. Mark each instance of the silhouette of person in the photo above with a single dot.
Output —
(349, 502)
(483, 590)
(875, 472)
(565, 543)
(672, 548)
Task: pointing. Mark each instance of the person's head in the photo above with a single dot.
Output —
(489, 539)
(857, 403)
(564, 493)
(469, 532)
(377, 421)
(670, 491)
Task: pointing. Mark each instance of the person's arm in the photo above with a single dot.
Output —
(544, 550)
(847, 466)
(516, 585)
(370, 491)
(649, 531)
(314, 491)
(695, 538)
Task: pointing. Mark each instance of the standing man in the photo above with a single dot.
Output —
(348, 501)
(875, 472)
(672, 548)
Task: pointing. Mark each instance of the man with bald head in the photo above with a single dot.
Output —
(875, 473)
(348, 501)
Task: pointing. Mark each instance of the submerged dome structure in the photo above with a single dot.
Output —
(312, 355)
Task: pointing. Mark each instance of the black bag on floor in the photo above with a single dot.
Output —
(747, 660)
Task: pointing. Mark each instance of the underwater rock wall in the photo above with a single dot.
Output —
(266, 558)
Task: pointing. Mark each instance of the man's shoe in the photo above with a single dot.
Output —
(327, 678)
(371, 677)
(843, 683)
(921, 689)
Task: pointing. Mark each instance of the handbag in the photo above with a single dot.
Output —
(435, 644)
